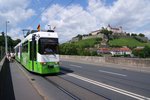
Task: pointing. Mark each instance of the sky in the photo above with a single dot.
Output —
(73, 17)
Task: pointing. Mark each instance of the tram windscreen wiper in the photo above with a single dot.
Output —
(53, 53)
(50, 51)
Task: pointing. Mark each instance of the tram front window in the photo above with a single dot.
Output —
(48, 46)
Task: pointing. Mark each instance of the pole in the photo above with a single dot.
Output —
(6, 45)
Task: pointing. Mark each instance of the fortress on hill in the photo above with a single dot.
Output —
(117, 31)
(114, 30)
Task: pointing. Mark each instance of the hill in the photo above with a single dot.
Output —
(130, 42)
(80, 47)
(87, 43)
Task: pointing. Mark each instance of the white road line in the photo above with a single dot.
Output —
(109, 87)
(112, 73)
(76, 66)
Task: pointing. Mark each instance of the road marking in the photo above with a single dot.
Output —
(109, 87)
(112, 73)
(76, 66)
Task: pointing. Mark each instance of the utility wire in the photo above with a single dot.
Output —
(78, 13)
(63, 8)
(47, 8)
(41, 12)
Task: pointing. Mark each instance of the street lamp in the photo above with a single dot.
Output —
(6, 46)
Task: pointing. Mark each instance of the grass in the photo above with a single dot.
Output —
(130, 42)
(88, 42)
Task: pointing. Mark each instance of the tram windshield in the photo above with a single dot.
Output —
(48, 46)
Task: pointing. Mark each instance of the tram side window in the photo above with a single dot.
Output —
(33, 50)
(30, 50)
(25, 47)
(17, 50)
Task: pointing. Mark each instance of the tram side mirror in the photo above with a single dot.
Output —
(33, 37)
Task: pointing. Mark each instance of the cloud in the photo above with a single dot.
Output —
(132, 15)
(16, 33)
(16, 12)
(67, 21)
(74, 19)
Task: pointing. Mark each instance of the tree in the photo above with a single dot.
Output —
(68, 49)
(107, 33)
(2, 41)
(93, 53)
(3, 34)
(144, 53)
(11, 43)
(128, 34)
(141, 35)
(133, 34)
(79, 36)
(15, 42)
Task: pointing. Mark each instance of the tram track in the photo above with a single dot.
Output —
(69, 88)
(62, 89)
(75, 91)
(86, 89)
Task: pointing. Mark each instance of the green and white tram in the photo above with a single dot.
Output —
(38, 52)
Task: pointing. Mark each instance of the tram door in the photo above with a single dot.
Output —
(33, 53)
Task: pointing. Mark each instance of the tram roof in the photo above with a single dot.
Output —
(39, 34)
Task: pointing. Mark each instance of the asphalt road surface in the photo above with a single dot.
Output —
(113, 83)
(81, 81)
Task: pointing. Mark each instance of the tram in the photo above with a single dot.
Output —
(38, 52)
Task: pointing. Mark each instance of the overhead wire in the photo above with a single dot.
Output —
(77, 14)
(41, 12)
(63, 8)
(47, 8)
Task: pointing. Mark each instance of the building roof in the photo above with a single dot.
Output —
(104, 50)
(139, 48)
(123, 49)
(95, 31)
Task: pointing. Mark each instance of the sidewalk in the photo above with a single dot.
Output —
(22, 87)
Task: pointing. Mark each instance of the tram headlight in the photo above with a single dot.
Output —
(43, 63)
(57, 63)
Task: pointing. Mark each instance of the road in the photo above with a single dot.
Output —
(116, 84)
(81, 81)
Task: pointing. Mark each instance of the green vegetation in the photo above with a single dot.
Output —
(130, 42)
(11, 44)
(107, 33)
(87, 43)
(144, 53)
(80, 47)
(110, 39)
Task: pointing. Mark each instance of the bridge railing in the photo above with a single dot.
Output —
(127, 63)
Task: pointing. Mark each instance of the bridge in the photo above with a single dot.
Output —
(78, 80)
